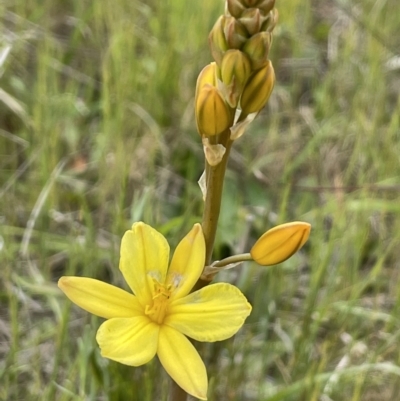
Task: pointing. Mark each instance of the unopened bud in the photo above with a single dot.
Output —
(257, 48)
(265, 5)
(235, 33)
(252, 19)
(280, 243)
(217, 40)
(213, 115)
(271, 21)
(235, 70)
(258, 89)
(235, 7)
(250, 3)
(208, 75)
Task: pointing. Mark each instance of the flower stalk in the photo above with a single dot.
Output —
(214, 186)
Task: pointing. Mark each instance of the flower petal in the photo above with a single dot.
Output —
(182, 362)
(214, 313)
(187, 262)
(131, 341)
(99, 298)
(144, 257)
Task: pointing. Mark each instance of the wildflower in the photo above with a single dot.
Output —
(161, 312)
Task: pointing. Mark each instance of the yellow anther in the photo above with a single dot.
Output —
(157, 310)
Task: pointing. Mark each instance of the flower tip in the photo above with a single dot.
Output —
(138, 225)
(195, 233)
(62, 282)
(249, 307)
(197, 227)
(280, 243)
(201, 395)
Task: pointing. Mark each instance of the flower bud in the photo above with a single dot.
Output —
(258, 89)
(235, 70)
(280, 243)
(252, 19)
(265, 6)
(235, 7)
(250, 3)
(235, 33)
(213, 115)
(208, 75)
(257, 48)
(271, 21)
(217, 40)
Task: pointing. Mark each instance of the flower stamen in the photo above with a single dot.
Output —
(158, 309)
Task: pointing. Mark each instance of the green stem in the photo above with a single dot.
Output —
(212, 205)
(233, 259)
(211, 270)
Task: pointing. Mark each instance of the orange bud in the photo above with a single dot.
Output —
(213, 115)
(280, 243)
(208, 75)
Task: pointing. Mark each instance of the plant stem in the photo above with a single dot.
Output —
(211, 270)
(233, 259)
(212, 205)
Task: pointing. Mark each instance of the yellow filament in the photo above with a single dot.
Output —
(157, 310)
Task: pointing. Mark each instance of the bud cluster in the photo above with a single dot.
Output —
(242, 76)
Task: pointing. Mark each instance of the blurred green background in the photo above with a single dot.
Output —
(97, 131)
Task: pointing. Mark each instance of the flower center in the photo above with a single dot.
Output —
(157, 310)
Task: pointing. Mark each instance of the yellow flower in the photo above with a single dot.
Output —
(162, 311)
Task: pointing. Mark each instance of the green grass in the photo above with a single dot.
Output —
(97, 131)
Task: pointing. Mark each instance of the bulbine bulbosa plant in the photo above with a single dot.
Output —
(174, 300)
